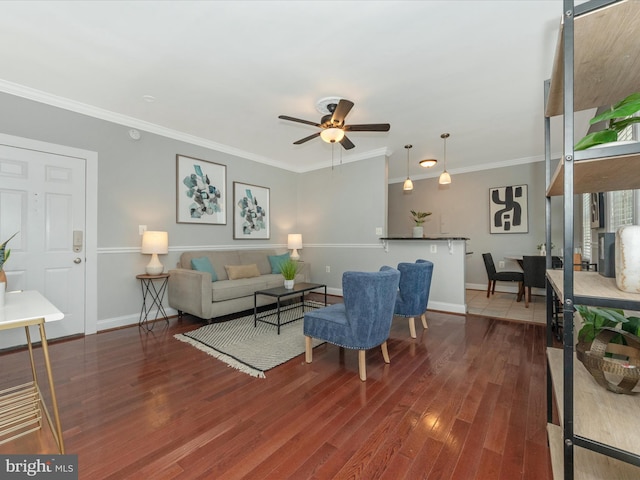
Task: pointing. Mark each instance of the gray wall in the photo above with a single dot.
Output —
(336, 210)
(464, 205)
(136, 186)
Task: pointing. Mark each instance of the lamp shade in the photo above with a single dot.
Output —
(445, 178)
(332, 135)
(154, 243)
(408, 185)
(294, 242)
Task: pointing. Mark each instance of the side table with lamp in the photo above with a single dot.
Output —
(154, 243)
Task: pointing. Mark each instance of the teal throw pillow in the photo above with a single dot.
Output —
(276, 260)
(202, 264)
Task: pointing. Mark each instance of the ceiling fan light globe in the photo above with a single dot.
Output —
(428, 163)
(332, 135)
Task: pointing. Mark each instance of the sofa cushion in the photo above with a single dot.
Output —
(230, 289)
(203, 264)
(276, 260)
(235, 272)
(259, 257)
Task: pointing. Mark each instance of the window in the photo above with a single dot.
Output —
(622, 207)
(586, 226)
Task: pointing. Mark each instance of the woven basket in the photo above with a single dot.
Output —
(623, 368)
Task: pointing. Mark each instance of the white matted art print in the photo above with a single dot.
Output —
(201, 191)
(508, 209)
(250, 212)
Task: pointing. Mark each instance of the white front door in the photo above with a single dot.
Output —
(42, 197)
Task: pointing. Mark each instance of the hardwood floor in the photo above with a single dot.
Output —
(464, 400)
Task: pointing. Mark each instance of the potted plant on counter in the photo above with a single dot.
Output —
(418, 218)
(289, 269)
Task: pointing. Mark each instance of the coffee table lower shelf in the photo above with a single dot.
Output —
(280, 293)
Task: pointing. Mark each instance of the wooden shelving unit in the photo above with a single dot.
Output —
(596, 64)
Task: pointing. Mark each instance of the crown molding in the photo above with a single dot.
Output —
(130, 122)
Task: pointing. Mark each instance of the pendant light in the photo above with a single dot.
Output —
(445, 178)
(408, 184)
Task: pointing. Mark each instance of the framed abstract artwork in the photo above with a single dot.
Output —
(250, 212)
(201, 190)
(508, 209)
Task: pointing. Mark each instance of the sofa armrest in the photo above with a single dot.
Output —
(190, 291)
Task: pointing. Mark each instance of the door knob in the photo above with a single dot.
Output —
(77, 260)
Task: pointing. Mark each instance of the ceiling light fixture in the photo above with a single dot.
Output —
(445, 178)
(332, 135)
(427, 162)
(408, 184)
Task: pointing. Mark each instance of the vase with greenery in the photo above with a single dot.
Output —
(5, 253)
(418, 219)
(289, 269)
(619, 118)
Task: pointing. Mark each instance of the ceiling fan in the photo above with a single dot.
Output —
(333, 126)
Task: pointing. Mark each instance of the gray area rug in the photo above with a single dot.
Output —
(253, 350)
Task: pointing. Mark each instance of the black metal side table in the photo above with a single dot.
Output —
(152, 296)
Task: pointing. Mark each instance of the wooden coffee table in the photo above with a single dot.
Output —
(279, 293)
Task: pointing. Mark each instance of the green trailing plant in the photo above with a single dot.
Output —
(5, 252)
(419, 217)
(597, 318)
(289, 269)
(619, 117)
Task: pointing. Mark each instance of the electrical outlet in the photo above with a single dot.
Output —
(434, 248)
(327, 269)
(501, 264)
(378, 230)
(142, 229)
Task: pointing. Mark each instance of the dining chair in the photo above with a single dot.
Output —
(363, 321)
(502, 276)
(535, 268)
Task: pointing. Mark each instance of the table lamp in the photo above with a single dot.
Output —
(294, 242)
(155, 243)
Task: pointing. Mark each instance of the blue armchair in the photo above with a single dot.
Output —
(415, 283)
(428, 289)
(364, 319)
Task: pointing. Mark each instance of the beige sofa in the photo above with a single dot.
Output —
(191, 291)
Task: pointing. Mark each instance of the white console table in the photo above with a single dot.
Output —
(21, 406)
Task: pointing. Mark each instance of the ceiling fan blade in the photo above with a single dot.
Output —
(299, 120)
(368, 127)
(346, 143)
(341, 111)
(306, 139)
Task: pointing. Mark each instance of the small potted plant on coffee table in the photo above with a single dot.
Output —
(289, 269)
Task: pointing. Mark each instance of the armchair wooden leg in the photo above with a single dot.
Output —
(308, 349)
(424, 320)
(412, 327)
(385, 352)
(362, 364)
